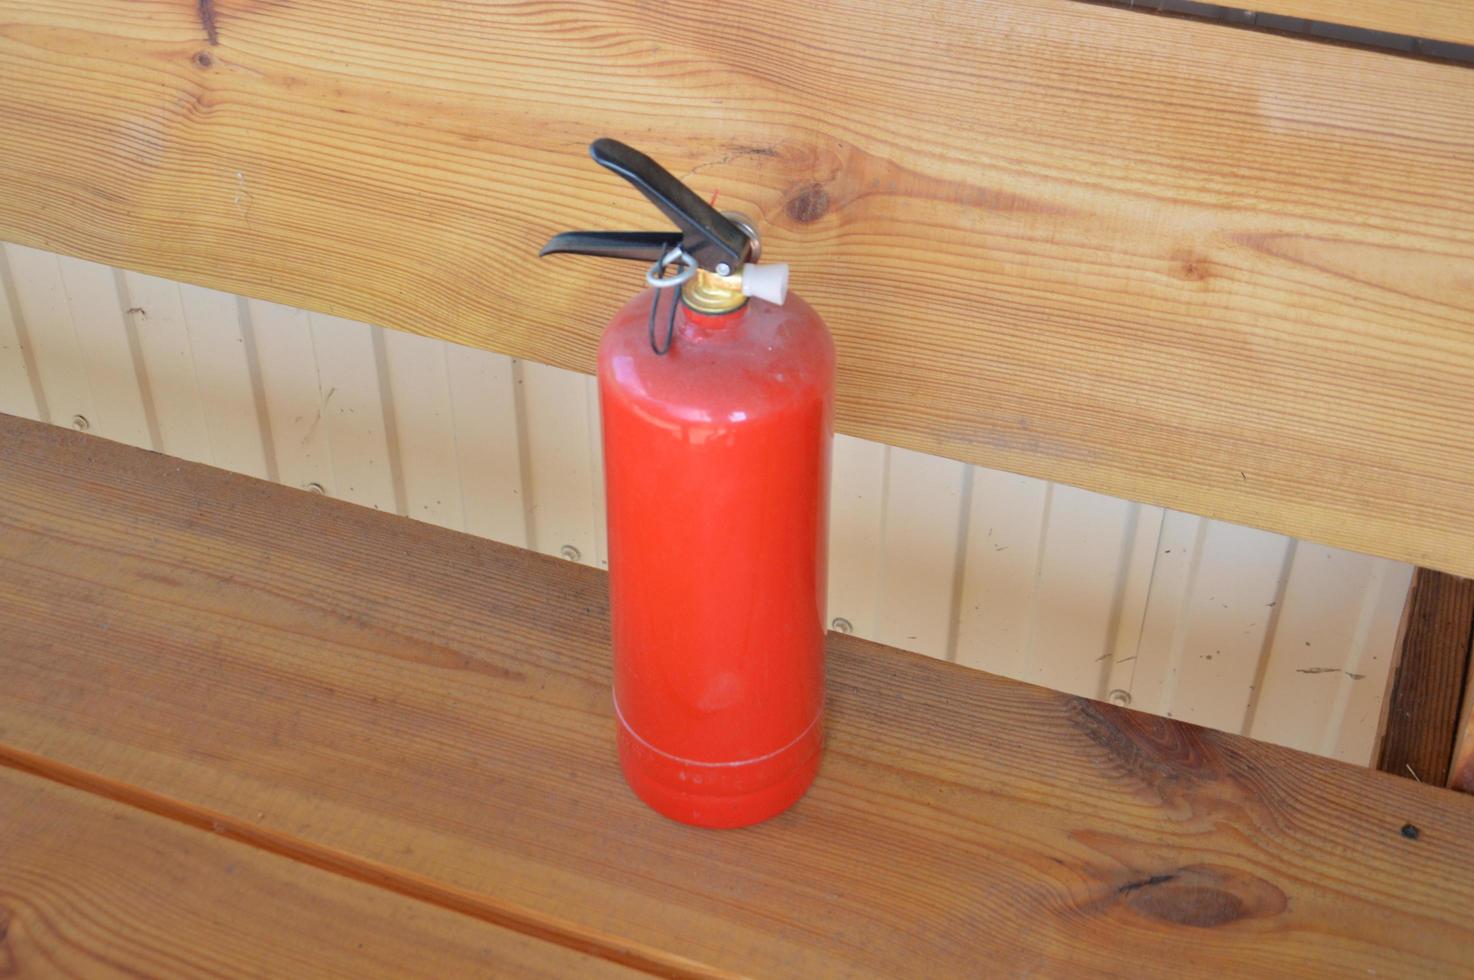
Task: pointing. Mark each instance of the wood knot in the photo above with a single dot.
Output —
(809, 204)
(203, 59)
(1190, 906)
(1159, 751)
(1189, 266)
(1202, 896)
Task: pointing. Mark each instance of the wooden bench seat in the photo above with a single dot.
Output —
(96, 887)
(405, 734)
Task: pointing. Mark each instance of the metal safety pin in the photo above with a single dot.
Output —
(655, 276)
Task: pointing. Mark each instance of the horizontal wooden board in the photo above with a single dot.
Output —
(437, 706)
(1217, 270)
(92, 887)
(1437, 20)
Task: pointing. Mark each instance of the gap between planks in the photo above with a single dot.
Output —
(1293, 18)
(547, 928)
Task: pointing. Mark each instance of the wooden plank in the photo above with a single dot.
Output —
(1439, 20)
(1428, 687)
(99, 889)
(1218, 270)
(437, 706)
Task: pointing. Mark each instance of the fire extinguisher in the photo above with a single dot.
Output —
(716, 389)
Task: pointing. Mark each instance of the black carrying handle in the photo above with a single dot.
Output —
(705, 234)
(648, 246)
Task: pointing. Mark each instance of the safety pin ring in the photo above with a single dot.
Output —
(654, 275)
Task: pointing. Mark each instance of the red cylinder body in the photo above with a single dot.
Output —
(716, 460)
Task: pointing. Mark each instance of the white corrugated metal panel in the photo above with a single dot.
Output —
(1210, 622)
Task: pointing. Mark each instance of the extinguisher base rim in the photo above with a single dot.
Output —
(691, 805)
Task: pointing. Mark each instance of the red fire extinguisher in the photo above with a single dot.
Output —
(716, 387)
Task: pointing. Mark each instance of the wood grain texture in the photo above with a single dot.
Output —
(1439, 20)
(91, 887)
(1428, 685)
(437, 706)
(1217, 270)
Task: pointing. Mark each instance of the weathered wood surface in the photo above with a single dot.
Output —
(1219, 270)
(91, 887)
(431, 708)
(1427, 693)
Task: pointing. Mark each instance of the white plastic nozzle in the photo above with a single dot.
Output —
(768, 281)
